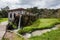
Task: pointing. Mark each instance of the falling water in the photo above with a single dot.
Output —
(19, 22)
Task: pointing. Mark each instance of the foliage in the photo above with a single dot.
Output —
(13, 25)
(33, 10)
(4, 12)
(45, 13)
(40, 24)
(52, 35)
(3, 19)
(40, 13)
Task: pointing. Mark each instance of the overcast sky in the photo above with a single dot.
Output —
(30, 3)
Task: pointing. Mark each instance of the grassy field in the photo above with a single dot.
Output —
(40, 24)
(3, 19)
(53, 35)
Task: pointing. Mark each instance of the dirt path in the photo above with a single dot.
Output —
(13, 36)
(40, 32)
(9, 35)
(3, 28)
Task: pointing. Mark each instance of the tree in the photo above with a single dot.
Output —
(4, 12)
(5, 8)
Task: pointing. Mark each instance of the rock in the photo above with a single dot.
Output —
(27, 35)
(40, 32)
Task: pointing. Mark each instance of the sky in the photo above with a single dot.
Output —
(50, 4)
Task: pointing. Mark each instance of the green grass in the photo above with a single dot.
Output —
(40, 24)
(13, 25)
(52, 35)
(3, 19)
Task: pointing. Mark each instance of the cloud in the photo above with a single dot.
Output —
(52, 3)
(30, 3)
(10, 3)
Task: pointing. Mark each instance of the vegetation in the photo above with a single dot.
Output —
(3, 19)
(40, 24)
(52, 35)
(11, 26)
(40, 13)
(45, 13)
(4, 12)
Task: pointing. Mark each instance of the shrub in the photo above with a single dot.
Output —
(11, 26)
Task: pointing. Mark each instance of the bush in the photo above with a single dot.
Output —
(11, 26)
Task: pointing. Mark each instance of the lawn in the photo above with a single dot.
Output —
(52, 35)
(3, 19)
(40, 24)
